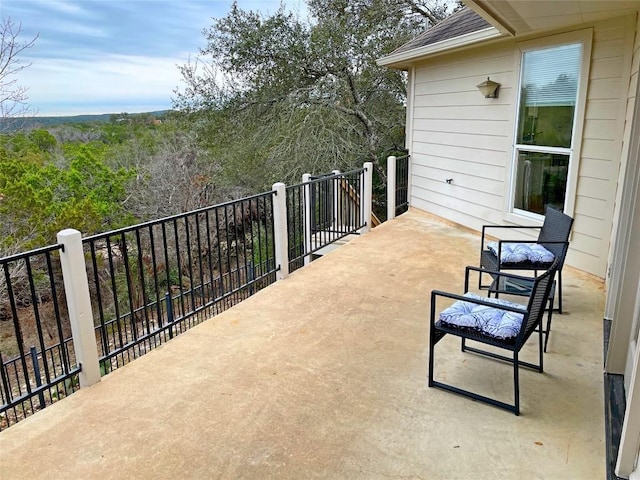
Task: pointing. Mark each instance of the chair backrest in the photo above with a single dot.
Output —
(538, 300)
(556, 228)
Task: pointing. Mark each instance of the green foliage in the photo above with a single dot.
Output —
(38, 197)
(282, 95)
(43, 140)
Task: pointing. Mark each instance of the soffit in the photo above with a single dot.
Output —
(522, 17)
(514, 18)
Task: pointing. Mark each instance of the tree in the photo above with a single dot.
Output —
(13, 97)
(280, 95)
(39, 198)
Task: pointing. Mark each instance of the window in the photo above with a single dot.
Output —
(545, 131)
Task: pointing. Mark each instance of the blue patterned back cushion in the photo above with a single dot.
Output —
(491, 321)
(521, 252)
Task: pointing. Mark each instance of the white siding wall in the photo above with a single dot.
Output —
(459, 134)
(602, 144)
(628, 120)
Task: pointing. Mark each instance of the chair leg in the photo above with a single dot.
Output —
(516, 384)
(560, 291)
(432, 346)
(514, 408)
(548, 329)
(540, 351)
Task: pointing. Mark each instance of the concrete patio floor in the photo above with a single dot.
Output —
(323, 375)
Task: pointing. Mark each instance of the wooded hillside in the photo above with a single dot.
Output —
(268, 99)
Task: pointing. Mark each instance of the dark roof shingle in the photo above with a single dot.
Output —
(460, 23)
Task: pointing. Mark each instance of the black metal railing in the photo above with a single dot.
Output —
(152, 281)
(155, 280)
(402, 184)
(322, 192)
(322, 211)
(37, 360)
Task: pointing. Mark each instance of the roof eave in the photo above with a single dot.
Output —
(406, 58)
(490, 15)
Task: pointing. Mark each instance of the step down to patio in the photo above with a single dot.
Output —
(323, 237)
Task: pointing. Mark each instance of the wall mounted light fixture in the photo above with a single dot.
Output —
(489, 88)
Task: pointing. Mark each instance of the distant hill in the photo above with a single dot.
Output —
(13, 124)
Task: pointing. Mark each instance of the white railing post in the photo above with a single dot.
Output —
(76, 286)
(280, 236)
(307, 217)
(336, 202)
(367, 196)
(391, 187)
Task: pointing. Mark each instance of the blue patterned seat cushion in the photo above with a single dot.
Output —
(488, 320)
(521, 252)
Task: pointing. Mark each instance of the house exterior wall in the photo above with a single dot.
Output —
(623, 296)
(628, 123)
(457, 134)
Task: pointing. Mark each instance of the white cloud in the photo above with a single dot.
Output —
(69, 7)
(96, 56)
(77, 28)
(111, 83)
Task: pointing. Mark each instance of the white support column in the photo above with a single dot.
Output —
(391, 187)
(280, 236)
(306, 178)
(366, 198)
(76, 286)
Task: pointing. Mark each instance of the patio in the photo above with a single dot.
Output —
(323, 375)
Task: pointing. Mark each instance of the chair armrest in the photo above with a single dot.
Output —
(510, 226)
(532, 241)
(485, 227)
(493, 273)
(500, 242)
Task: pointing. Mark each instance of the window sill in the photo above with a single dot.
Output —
(524, 219)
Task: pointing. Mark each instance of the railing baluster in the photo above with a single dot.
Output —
(179, 266)
(38, 321)
(226, 229)
(187, 230)
(36, 373)
(167, 264)
(66, 367)
(116, 303)
(154, 263)
(143, 287)
(212, 292)
(17, 329)
(128, 282)
(237, 224)
(200, 269)
(170, 319)
(219, 241)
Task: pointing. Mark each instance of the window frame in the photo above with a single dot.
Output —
(585, 37)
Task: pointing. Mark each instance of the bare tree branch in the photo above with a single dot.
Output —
(13, 98)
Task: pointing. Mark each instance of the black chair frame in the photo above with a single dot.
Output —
(533, 313)
(553, 235)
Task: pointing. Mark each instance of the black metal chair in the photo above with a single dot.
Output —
(553, 235)
(532, 315)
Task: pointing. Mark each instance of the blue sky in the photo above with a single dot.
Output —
(111, 56)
